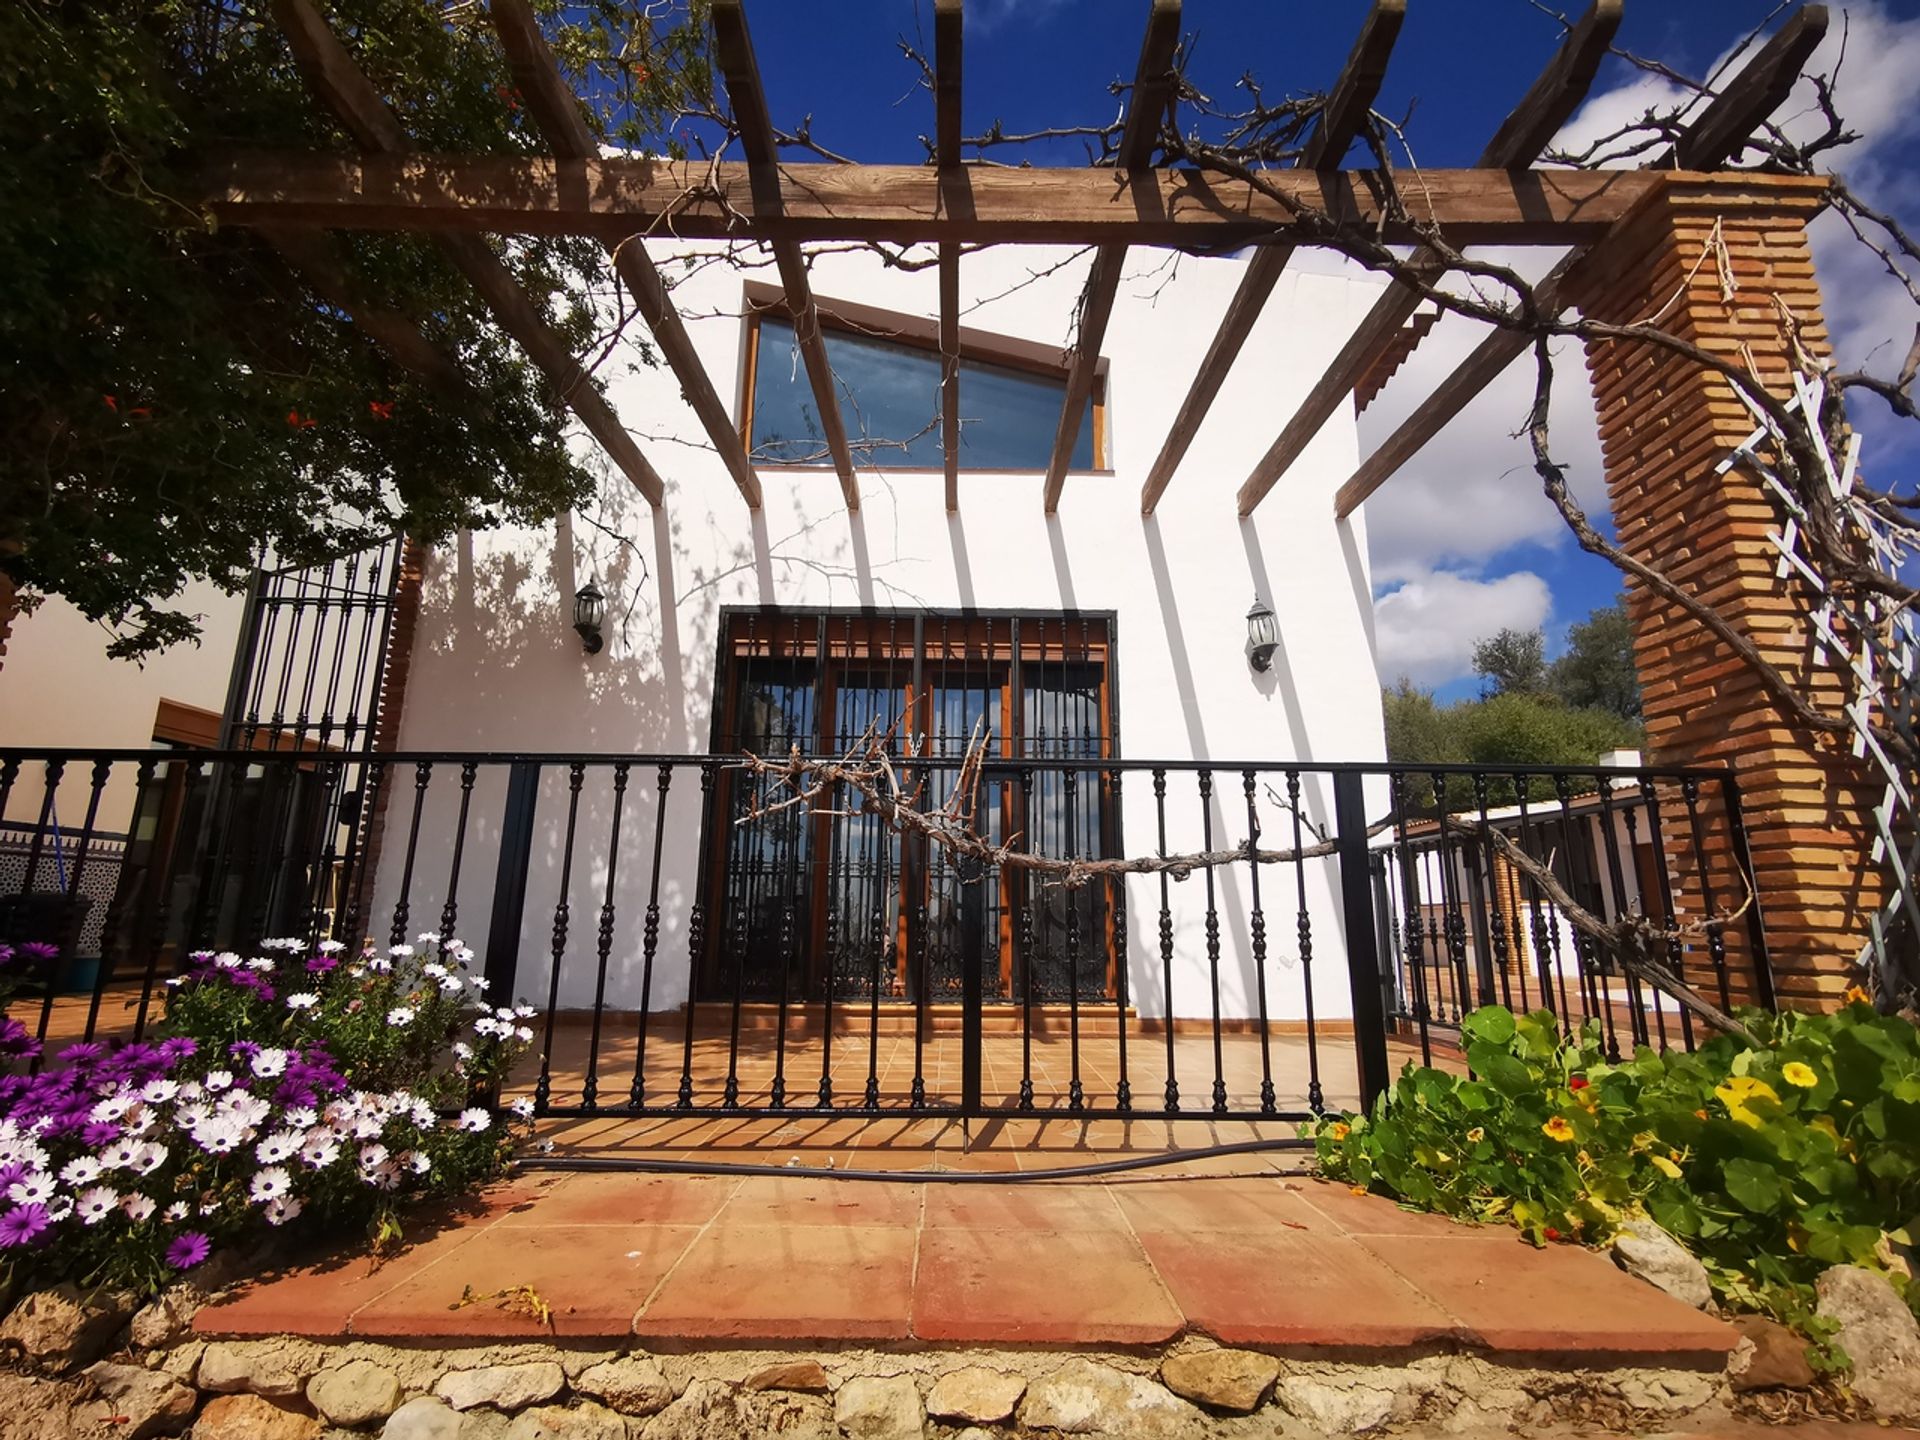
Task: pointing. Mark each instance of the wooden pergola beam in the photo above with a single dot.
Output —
(614, 197)
(1714, 137)
(1552, 97)
(1153, 89)
(318, 262)
(1719, 132)
(946, 129)
(733, 52)
(345, 90)
(551, 103)
(1346, 110)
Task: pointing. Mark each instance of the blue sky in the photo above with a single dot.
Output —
(1462, 542)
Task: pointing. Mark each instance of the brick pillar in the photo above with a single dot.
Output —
(398, 660)
(1715, 262)
(9, 608)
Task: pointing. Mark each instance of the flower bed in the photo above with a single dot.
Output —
(303, 1080)
(1769, 1161)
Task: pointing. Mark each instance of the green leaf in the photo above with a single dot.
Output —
(1493, 1024)
(1754, 1186)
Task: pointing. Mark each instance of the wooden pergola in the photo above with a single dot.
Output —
(1505, 199)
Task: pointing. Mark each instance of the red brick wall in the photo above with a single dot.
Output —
(1715, 264)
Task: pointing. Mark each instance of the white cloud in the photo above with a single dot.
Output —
(1427, 626)
(1471, 493)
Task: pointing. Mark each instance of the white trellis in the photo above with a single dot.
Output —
(1871, 641)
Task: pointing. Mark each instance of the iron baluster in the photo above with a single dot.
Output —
(1172, 1092)
(562, 918)
(1076, 1095)
(1213, 946)
(402, 910)
(650, 937)
(590, 1090)
(696, 943)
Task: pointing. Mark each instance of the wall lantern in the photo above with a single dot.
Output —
(589, 609)
(1263, 635)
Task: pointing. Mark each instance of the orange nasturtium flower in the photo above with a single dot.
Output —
(1856, 995)
(1558, 1129)
(1338, 1130)
(1796, 1073)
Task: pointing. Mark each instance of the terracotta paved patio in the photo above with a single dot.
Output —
(1246, 1253)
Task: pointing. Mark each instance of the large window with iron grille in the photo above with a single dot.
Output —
(887, 368)
(807, 901)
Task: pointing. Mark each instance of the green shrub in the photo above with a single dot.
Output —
(1769, 1161)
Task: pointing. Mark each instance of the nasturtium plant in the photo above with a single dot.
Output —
(1770, 1161)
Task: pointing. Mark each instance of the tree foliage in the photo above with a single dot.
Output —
(174, 399)
(1512, 662)
(1597, 672)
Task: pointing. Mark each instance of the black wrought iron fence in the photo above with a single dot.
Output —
(1281, 935)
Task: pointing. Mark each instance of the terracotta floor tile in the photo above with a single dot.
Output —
(317, 1299)
(1037, 1286)
(1291, 1288)
(846, 1204)
(1256, 1206)
(626, 1200)
(1054, 1207)
(1375, 1214)
(802, 1282)
(1562, 1299)
(592, 1276)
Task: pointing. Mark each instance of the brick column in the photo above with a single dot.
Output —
(1717, 263)
(397, 661)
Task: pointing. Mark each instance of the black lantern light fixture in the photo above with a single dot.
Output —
(589, 609)
(1263, 635)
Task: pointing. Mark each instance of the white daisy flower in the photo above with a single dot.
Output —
(523, 1107)
(269, 1063)
(475, 1121)
(158, 1092)
(372, 1155)
(428, 937)
(260, 967)
(80, 1170)
(283, 1208)
(463, 1050)
(277, 1147)
(450, 985)
(227, 960)
(174, 1212)
(331, 947)
(95, 1204)
(122, 1154)
(318, 1154)
(379, 966)
(218, 1080)
(269, 1184)
(399, 952)
(301, 1117)
(384, 1177)
(305, 1000)
(137, 1207)
(151, 1157)
(399, 1015)
(523, 1034)
(34, 1189)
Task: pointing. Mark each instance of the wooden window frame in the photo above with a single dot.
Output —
(916, 332)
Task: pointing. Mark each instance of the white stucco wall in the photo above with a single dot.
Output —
(58, 688)
(497, 668)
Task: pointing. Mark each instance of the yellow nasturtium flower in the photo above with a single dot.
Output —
(1665, 1166)
(1856, 996)
(1476, 1135)
(1558, 1129)
(1338, 1130)
(1738, 1093)
(1795, 1073)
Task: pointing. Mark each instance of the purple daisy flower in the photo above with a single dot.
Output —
(38, 950)
(15, 1038)
(320, 964)
(84, 1052)
(11, 1174)
(244, 1049)
(23, 1225)
(178, 1048)
(188, 1249)
(6, 954)
(98, 1134)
